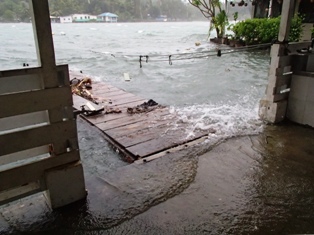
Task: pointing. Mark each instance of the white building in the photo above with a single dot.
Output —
(65, 19)
(107, 17)
(81, 18)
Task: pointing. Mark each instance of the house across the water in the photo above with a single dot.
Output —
(54, 19)
(107, 17)
(65, 19)
(83, 18)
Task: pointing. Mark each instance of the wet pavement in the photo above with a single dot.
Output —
(261, 184)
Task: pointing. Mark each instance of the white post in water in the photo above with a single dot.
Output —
(274, 105)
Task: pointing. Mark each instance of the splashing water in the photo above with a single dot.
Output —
(230, 119)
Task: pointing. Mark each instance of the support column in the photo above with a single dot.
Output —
(274, 105)
(64, 182)
(44, 42)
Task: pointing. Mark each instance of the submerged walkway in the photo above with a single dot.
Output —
(137, 135)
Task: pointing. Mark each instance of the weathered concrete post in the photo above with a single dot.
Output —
(274, 105)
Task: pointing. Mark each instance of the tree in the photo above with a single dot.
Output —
(8, 15)
(212, 10)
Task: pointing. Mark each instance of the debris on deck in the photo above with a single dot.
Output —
(137, 127)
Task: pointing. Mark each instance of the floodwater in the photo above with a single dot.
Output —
(221, 93)
(247, 178)
(261, 184)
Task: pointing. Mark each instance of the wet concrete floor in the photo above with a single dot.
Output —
(260, 184)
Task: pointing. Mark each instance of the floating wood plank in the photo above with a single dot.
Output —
(162, 143)
(138, 135)
(126, 77)
(130, 119)
(79, 102)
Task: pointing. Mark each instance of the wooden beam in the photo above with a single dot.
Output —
(23, 121)
(44, 41)
(32, 138)
(28, 102)
(31, 172)
(19, 192)
(28, 71)
(26, 154)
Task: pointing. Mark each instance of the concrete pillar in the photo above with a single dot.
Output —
(65, 184)
(274, 105)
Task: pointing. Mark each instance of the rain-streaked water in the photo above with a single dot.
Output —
(251, 190)
(213, 92)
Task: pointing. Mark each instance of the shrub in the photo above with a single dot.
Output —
(255, 31)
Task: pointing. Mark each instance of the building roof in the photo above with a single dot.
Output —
(108, 14)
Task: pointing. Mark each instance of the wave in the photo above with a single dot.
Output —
(228, 120)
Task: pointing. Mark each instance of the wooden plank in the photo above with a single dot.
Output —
(29, 153)
(130, 119)
(103, 86)
(143, 135)
(105, 117)
(126, 77)
(44, 42)
(49, 134)
(19, 72)
(34, 171)
(105, 92)
(24, 120)
(128, 100)
(19, 192)
(27, 71)
(28, 102)
(123, 95)
(78, 101)
(21, 83)
(171, 150)
(162, 143)
(125, 130)
(127, 105)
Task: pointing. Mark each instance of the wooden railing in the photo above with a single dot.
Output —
(37, 130)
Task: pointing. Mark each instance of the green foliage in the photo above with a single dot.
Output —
(220, 21)
(254, 31)
(14, 10)
(213, 10)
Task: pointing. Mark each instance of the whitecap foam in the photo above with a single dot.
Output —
(231, 119)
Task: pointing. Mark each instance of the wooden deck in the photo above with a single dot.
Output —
(140, 135)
